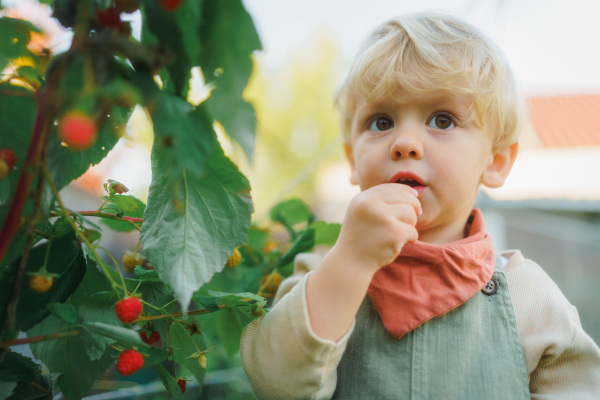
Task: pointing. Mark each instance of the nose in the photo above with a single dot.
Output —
(406, 144)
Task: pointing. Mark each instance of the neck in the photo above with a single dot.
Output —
(445, 234)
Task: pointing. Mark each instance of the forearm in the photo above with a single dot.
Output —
(283, 358)
(334, 293)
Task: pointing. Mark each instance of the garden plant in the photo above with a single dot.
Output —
(201, 269)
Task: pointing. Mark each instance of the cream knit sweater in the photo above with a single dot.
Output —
(285, 359)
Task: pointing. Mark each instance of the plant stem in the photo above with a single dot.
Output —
(35, 339)
(81, 236)
(101, 214)
(161, 316)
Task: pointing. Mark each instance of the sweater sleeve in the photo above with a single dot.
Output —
(563, 362)
(282, 356)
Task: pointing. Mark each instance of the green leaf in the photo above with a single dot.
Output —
(326, 233)
(168, 381)
(118, 333)
(208, 302)
(95, 302)
(6, 388)
(179, 33)
(230, 324)
(226, 64)
(15, 35)
(189, 234)
(124, 202)
(42, 390)
(291, 212)
(66, 259)
(66, 312)
(16, 367)
(185, 131)
(304, 242)
(69, 356)
(185, 345)
(65, 165)
(124, 226)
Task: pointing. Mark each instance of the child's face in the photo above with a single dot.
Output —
(432, 143)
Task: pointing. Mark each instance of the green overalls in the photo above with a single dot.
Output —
(470, 353)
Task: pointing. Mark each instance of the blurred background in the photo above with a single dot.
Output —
(550, 205)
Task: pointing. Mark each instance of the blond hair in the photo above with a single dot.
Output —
(424, 52)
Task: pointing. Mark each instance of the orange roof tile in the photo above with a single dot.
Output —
(566, 121)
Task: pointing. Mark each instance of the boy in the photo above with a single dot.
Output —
(412, 302)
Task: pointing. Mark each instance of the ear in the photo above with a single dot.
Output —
(350, 157)
(502, 161)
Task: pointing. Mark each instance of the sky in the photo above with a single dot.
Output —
(551, 44)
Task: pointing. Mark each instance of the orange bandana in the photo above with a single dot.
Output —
(427, 281)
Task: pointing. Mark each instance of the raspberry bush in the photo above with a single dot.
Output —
(170, 305)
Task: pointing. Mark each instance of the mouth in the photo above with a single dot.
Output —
(409, 179)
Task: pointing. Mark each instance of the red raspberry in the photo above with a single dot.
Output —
(77, 130)
(182, 384)
(151, 339)
(129, 361)
(128, 309)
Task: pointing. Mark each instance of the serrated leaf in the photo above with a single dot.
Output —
(16, 367)
(179, 33)
(69, 356)
(154, 355)
(227, 47)
(168, 381)
(66, 259)
(118, 333)
(189, 234)
(185, 345)
(185, 131)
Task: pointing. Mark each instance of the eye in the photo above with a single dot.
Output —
(441, 121)
(380, 124)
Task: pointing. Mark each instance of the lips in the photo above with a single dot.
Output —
(409, 179)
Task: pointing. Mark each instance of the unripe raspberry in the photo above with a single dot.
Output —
(170, 5)
(40, 283)
(234, 259)
(128, 309)
(129, 362)
(77, 130)
(182, 384)
(130, 260)
(202, 360)
(271, 282)
(257, 310)
(150, 339)
(269, 247)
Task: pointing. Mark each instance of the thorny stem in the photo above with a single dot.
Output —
(35, 339)
(174, 315)
(105, 215)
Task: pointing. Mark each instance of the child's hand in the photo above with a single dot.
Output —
(378, 222)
